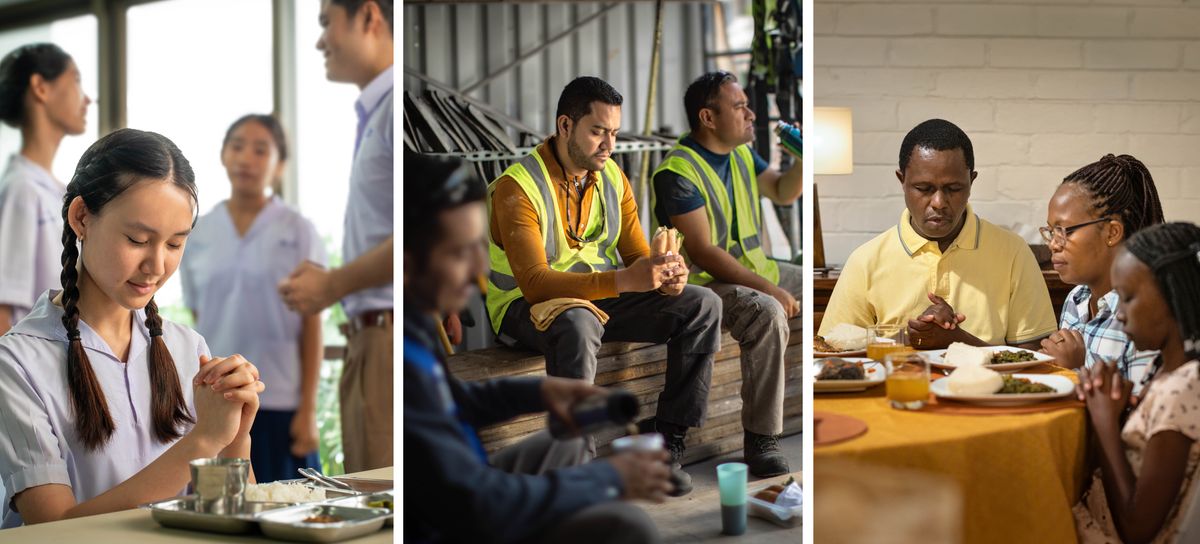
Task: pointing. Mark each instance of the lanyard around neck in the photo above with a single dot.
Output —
(578, 184)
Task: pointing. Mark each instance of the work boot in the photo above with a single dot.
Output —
(763, 455)
(673, 438)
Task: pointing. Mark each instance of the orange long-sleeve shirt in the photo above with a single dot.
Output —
(514, 224)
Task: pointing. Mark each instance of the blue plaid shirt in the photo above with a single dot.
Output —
(1102, 335)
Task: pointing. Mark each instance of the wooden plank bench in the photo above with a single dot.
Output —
(640, 368)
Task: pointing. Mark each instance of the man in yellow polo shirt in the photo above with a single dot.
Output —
(942, 270)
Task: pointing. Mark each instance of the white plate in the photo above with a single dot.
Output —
(842, 354)
(875, 376)
(1063, 387)
(936, 358)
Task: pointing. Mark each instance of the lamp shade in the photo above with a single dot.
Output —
(833, 141)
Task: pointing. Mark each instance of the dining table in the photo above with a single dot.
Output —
(1019, 470)
(135, 526)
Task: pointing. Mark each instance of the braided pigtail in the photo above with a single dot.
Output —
(168, 408)
(93, 422)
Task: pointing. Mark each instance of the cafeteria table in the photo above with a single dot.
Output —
(136, 525)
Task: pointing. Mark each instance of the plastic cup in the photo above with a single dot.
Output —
(731, 481)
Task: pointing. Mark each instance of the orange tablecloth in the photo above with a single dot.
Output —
(1019, 474)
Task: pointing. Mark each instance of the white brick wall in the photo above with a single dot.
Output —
(1042, 88)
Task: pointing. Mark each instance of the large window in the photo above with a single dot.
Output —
(195, 66)
(191, 68)
(77, 36)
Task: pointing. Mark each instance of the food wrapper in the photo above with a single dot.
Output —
(665, 241)
(792, 496)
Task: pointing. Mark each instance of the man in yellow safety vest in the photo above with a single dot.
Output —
(709, 188)
(570, 266)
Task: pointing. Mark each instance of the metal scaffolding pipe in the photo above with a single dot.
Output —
(479, 103)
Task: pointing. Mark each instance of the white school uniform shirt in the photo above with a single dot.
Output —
(368, 220)
(39, 444)
(31, 228)
(231, 283)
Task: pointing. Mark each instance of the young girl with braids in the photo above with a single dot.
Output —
(1148, 461)
(1095, 209)
(102, 403)
(41, 95)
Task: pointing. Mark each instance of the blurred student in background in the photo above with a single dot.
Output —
(40, 95)
(236, 256)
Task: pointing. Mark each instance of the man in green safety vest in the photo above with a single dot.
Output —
(571, 267)
(708, 188)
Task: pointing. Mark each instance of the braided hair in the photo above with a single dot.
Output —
(110, 166)
(1172, 252)
(1121, 186)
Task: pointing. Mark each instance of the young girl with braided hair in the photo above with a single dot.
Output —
(96, 414)
(1095, 209)
(1148, 460)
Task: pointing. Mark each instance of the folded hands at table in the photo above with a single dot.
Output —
(937, 327)
(1066, 346)
(1107, 394)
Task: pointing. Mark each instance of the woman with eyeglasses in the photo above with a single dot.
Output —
(237, 255)
(1094, 210)
(40, 95)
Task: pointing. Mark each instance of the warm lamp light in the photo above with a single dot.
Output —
(833, 141)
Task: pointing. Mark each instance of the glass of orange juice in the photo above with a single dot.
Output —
(885, 339)
(907, 380)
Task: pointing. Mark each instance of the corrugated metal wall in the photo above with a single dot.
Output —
(460, 44)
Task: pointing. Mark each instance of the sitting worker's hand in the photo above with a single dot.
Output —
(559, 394)
(649, 273)
(791, 307)
(644, 475)
(675, 285)
(1066, 346)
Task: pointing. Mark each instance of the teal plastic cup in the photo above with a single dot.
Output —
(731, 481)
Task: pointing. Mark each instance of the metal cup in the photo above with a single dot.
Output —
(220, 484)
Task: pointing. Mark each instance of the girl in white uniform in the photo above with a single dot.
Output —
(41, 95)
(102, 403)
(237, 255)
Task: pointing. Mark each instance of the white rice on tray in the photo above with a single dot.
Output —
(281, 492)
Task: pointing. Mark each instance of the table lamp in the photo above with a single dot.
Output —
(833, 154)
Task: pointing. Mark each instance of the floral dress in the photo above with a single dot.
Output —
(1171, 403)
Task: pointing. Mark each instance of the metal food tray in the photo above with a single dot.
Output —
(363, 501)
(180, 513)
(285, 519)
(289, 524)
